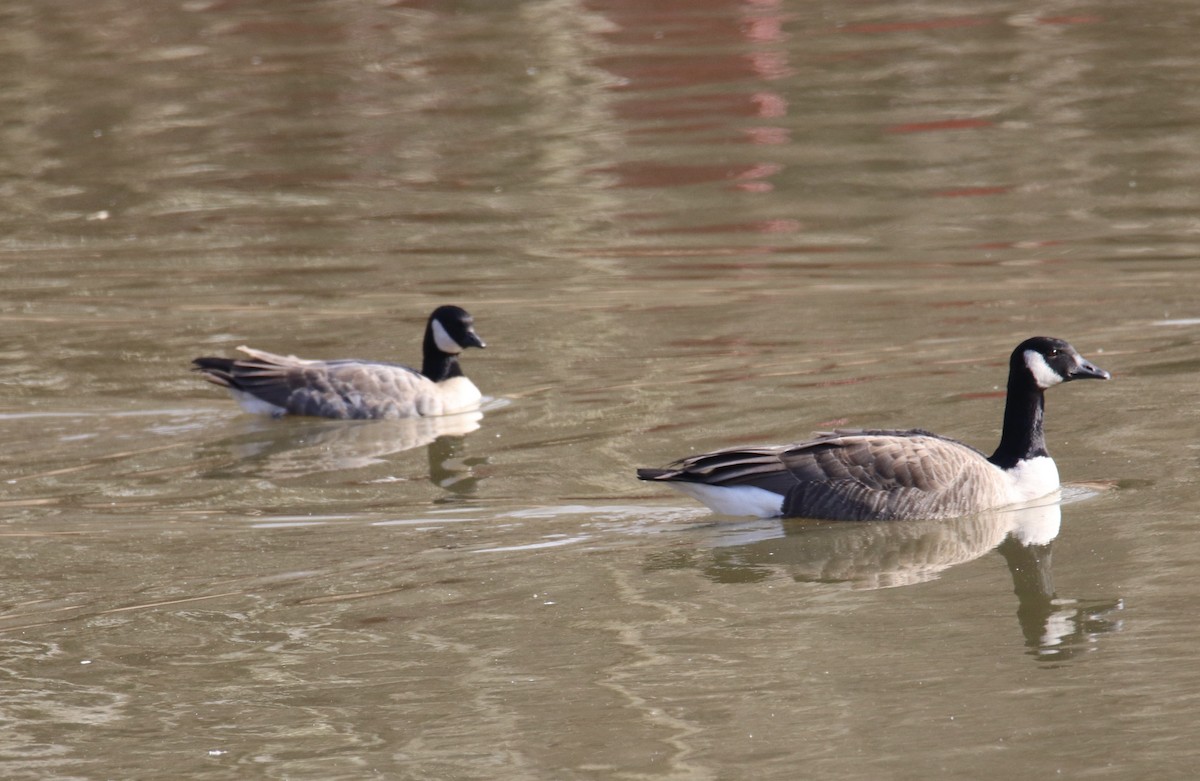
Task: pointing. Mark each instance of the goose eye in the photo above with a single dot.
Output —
(1053, 353)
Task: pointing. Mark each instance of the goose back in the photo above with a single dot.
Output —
(855, 475)
(344, 389)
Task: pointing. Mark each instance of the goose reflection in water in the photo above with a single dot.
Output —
(306, 447)
(887, 554)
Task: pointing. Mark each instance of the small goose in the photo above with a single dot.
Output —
(893, 475)
(278, 385)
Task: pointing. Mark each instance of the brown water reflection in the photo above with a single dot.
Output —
(302, 447)
(891, 555)
(685, 226)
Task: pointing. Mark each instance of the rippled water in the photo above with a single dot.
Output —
(679, 227)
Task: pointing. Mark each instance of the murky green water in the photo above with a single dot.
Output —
(678, 227)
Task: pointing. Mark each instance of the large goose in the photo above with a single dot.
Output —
(278, 385)
(893, 475)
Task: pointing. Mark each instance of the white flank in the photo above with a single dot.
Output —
(458, 394)
(734, 500)
(1043, 375)
(1032, 478)
(443, 339)
(254, 405)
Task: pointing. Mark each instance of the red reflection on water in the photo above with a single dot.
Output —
(754, 179)
(767, 135)
(770, 104)
(679, 45)
(656, 72)
(770, 65)
(765, 29)
(940, 124)
(710, 104)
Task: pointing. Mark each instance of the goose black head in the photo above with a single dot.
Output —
(1049, 361)
(453, 330)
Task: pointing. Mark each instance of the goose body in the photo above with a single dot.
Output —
(859, 475)
(277, 385)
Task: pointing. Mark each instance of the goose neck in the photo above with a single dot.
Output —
(1021, 437)
(438, 365)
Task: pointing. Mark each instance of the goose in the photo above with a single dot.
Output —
(277, 385)
(862, 475)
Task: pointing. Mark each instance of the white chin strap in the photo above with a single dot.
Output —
(443, 340)
(1043, 375)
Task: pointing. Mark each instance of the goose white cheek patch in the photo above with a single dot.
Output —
(444, 341)
(1043, 375)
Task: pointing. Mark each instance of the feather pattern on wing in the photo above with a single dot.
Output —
(345, 389)
(857, 475)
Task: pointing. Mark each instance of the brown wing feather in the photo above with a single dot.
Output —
(333, 389)
(855, 475)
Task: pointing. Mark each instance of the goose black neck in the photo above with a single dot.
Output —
(1022, 436)
(438, 365)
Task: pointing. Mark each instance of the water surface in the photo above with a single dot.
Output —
(678, 227)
